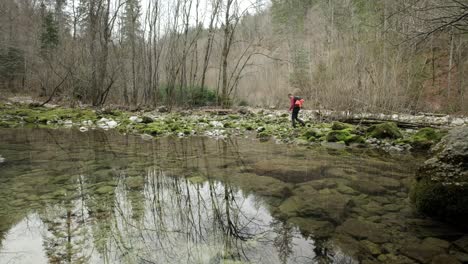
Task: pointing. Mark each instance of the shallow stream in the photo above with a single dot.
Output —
(103, 197)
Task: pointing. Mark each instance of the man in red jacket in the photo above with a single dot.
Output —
(295, 107)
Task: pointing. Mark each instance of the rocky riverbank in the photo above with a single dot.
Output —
(441, 189)
(262, 124)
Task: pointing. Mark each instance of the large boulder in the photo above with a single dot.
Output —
(441, 188)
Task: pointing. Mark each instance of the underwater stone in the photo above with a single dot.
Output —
(197, 179)
(364, 230)
(462, 243)
(373, 248)
(105, 190)
(421, 252)
(2, 159)
(445, 259)
(316, 228)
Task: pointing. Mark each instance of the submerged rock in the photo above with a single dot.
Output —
(445, 259)
(295, 171)
(364, 230)
(441, 188)
(325, 205)
(2, 159)
(423, 253)
(313, 227)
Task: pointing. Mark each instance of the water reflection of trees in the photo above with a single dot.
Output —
(157, 219)
(201, 223)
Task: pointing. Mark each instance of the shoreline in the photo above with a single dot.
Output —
(391, 133)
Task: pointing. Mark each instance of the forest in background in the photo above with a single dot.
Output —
(356, 55)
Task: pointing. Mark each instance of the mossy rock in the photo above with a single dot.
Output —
(385, 130)
(338, 135)
(264, 135)
(147, 120)
(312, 133)
(339, 126)
(425, 138)
(229, 125)
(155, 129)
(345, 136)
(356, 139)
(443, 201)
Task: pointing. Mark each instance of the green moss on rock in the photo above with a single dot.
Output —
(425, 138)
(339, 126)
(385, 130)
(445, 201)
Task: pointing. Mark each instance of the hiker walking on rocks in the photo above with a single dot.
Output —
(295, 107)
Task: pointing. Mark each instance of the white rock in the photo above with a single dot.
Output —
(136, 119)
(216, 124)
(146, 137)
(2, 159)
(83, 129)
(458, 122)
(112, 124)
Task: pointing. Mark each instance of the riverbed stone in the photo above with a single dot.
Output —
(368, 187)
(445, 259)
(373, 248)
(316, 228)
(289, 170)
(104, 190)
(421, 252)
(436, 242)
(361, 229)
(462, 243)
(443, 180)
(326, 206)
(461, 256)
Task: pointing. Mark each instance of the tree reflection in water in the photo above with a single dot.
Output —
(105, 198)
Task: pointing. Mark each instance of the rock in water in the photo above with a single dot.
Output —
(441, 188)
(2, 159)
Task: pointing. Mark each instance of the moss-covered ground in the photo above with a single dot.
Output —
(264, 126)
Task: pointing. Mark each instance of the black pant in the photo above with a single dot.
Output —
(294, 117)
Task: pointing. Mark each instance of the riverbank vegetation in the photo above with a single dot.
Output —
(262, 124)
(374, 56)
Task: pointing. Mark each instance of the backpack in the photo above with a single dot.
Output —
(298, 102)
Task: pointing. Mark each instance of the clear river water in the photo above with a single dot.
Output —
(103, 197)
